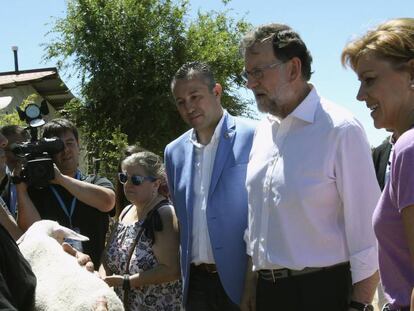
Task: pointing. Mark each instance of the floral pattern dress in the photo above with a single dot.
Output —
(155, 297)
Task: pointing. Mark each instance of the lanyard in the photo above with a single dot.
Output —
(67, 212)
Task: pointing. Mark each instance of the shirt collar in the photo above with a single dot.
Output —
(307, 108)
(304, 111)
(214, 138)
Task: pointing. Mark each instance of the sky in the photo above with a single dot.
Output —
(325, 26)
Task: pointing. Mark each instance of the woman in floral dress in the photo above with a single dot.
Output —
(141, 261)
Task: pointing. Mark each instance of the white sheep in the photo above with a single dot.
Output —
(61, 283)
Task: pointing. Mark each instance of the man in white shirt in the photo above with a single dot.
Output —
(206, 170)
(311, 188)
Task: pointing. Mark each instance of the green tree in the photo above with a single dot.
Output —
(126, 52)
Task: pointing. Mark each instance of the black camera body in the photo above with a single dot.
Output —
(38, 169)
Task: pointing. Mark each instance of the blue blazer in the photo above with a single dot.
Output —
(226, 203)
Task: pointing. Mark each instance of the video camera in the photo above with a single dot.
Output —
(38, 169)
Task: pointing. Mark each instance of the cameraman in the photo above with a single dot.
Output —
(74, 200)
(17, 281)
(15, 135)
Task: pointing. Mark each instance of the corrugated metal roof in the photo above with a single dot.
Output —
(45, 81)
(12, 78)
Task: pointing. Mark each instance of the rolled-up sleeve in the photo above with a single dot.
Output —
(359, 191)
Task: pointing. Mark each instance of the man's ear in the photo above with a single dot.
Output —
(218, 89)
(295, 69)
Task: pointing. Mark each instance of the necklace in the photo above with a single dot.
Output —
(147, 208)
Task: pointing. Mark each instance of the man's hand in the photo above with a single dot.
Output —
(17, 171)
(248, 302)
(58, 176)
(83, 259)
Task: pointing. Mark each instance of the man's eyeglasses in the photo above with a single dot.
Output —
(258, 72)
(135, 179)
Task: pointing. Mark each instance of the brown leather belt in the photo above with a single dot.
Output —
(273, 275)
(205, 267)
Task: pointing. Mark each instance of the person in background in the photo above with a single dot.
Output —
(383, 60)
(381, 155)
(3, 171)
(77, 201)
(15, 135)
(142, 260)
(309, 232)
(17, 280)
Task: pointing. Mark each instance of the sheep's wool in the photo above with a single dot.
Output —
(61, 283)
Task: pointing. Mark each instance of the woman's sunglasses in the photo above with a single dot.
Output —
(135, 179)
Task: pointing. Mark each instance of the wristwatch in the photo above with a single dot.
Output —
(361, 306)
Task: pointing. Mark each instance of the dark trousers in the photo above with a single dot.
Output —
(206, 293)
(326, 290)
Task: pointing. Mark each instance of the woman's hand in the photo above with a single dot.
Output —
(83, 259)
(114, 280)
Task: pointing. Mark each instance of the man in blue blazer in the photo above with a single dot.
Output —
(206, 170)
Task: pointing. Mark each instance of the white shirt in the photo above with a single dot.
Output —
(204, 156)
(388, 167)
(312, 191)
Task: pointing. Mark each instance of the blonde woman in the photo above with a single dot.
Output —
(384, 61)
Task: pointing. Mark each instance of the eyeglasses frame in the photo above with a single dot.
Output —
(258, 72)
(133, 177)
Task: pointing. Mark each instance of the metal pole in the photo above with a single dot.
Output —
(16, 61)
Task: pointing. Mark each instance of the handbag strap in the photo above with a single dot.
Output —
(131, 251)
(141, 231)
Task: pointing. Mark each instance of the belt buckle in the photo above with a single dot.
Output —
(210, 268)
(280, 274)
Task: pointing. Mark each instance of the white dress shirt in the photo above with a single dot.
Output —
(388, 167)
(312, 191)
(204, 156)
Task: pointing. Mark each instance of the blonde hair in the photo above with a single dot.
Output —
(392, 41)
(150, 162)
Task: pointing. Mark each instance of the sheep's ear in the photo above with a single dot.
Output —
(63, 232)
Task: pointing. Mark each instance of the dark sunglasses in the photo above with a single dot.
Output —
(135, 179)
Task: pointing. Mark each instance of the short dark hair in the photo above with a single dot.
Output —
(10, 130)
(195, 69)
(286, 44)
(57, 127)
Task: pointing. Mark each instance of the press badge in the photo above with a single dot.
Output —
(75, 243)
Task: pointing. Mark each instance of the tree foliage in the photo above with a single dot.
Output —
(126, 52)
